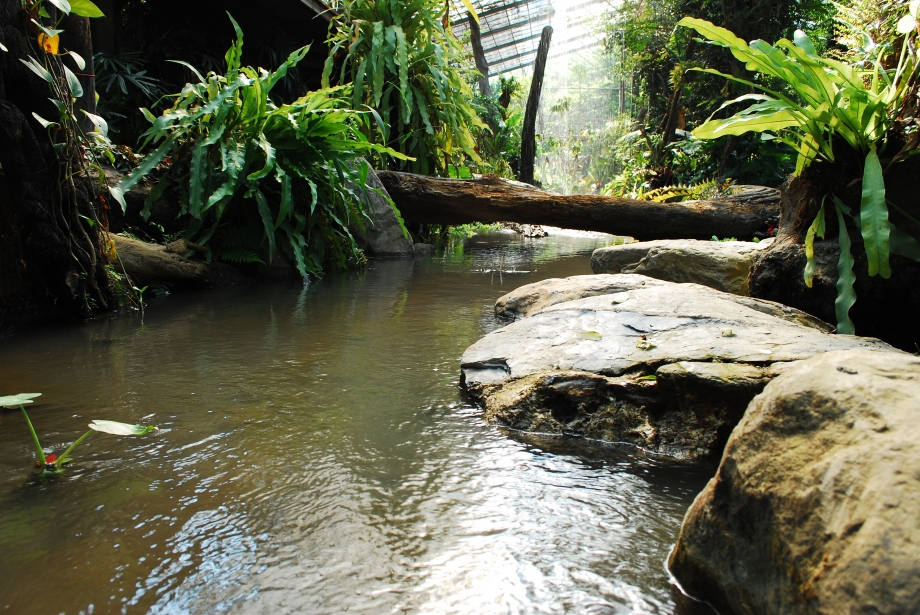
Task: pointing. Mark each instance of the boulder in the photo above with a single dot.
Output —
(532, 298)
(381, 236)
(815, 505)
(423, 250)
(723, 265)
(668, 367)
(149, 262)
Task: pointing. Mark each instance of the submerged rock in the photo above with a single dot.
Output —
(667, 367)
(722, 265)
(816, 502)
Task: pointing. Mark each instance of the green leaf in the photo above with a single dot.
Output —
(903, 244)
(62, 5)
(190, 67)
(235, 53)
(816, 228)
(651, 377)
(149, 162)
(846, 294)
(73, 83)
(85, 8)
(78, 59)
(121, 429)
(155, 193)
(38, 69)
(873, 216)
(98, 122)
(11, 401)
(472, 10)
(769, 115)
(45, 123)
(714, 33)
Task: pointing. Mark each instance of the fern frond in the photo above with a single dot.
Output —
(240, 256)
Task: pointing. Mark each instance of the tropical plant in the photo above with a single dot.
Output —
(53, 464)
(405, 64)
(124, 86)
(240, 160)
(56, 199)
(834, 105)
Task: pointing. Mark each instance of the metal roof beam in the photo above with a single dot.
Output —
(500, 8)
(512, 43)
(512, 26)
(498, 71)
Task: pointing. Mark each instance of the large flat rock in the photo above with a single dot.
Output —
(668, 367)
(815, 505)
(722, 265)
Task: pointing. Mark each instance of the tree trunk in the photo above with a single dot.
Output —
(482, 65)
(528, 131)
(60, 254)
(490, 199)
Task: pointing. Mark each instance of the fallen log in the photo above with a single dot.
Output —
(151, 263)
(431, 200)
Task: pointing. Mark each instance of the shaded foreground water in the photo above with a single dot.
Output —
(317, 456)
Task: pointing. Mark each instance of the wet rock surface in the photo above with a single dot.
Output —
(722, 265)
(667, 367)
(381, 236)
(815, 504)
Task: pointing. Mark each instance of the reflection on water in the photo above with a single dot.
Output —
(316, 456)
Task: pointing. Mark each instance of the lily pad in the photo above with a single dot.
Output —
(121, 429)
(594, 336)
(11, 401)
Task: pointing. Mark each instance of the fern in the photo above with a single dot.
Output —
(239, 256)
(239, 245)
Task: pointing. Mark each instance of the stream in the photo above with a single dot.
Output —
(316, 455)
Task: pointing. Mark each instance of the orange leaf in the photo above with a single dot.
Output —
(49, 44)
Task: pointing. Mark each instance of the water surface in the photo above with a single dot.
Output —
(317, 456)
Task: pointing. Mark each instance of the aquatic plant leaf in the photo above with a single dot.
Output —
(11, 401)
(873, 216)
(594, 336)
(121, 429)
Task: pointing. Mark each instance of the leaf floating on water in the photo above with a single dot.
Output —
(11, 401)
(594, 336)
(121, 429)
